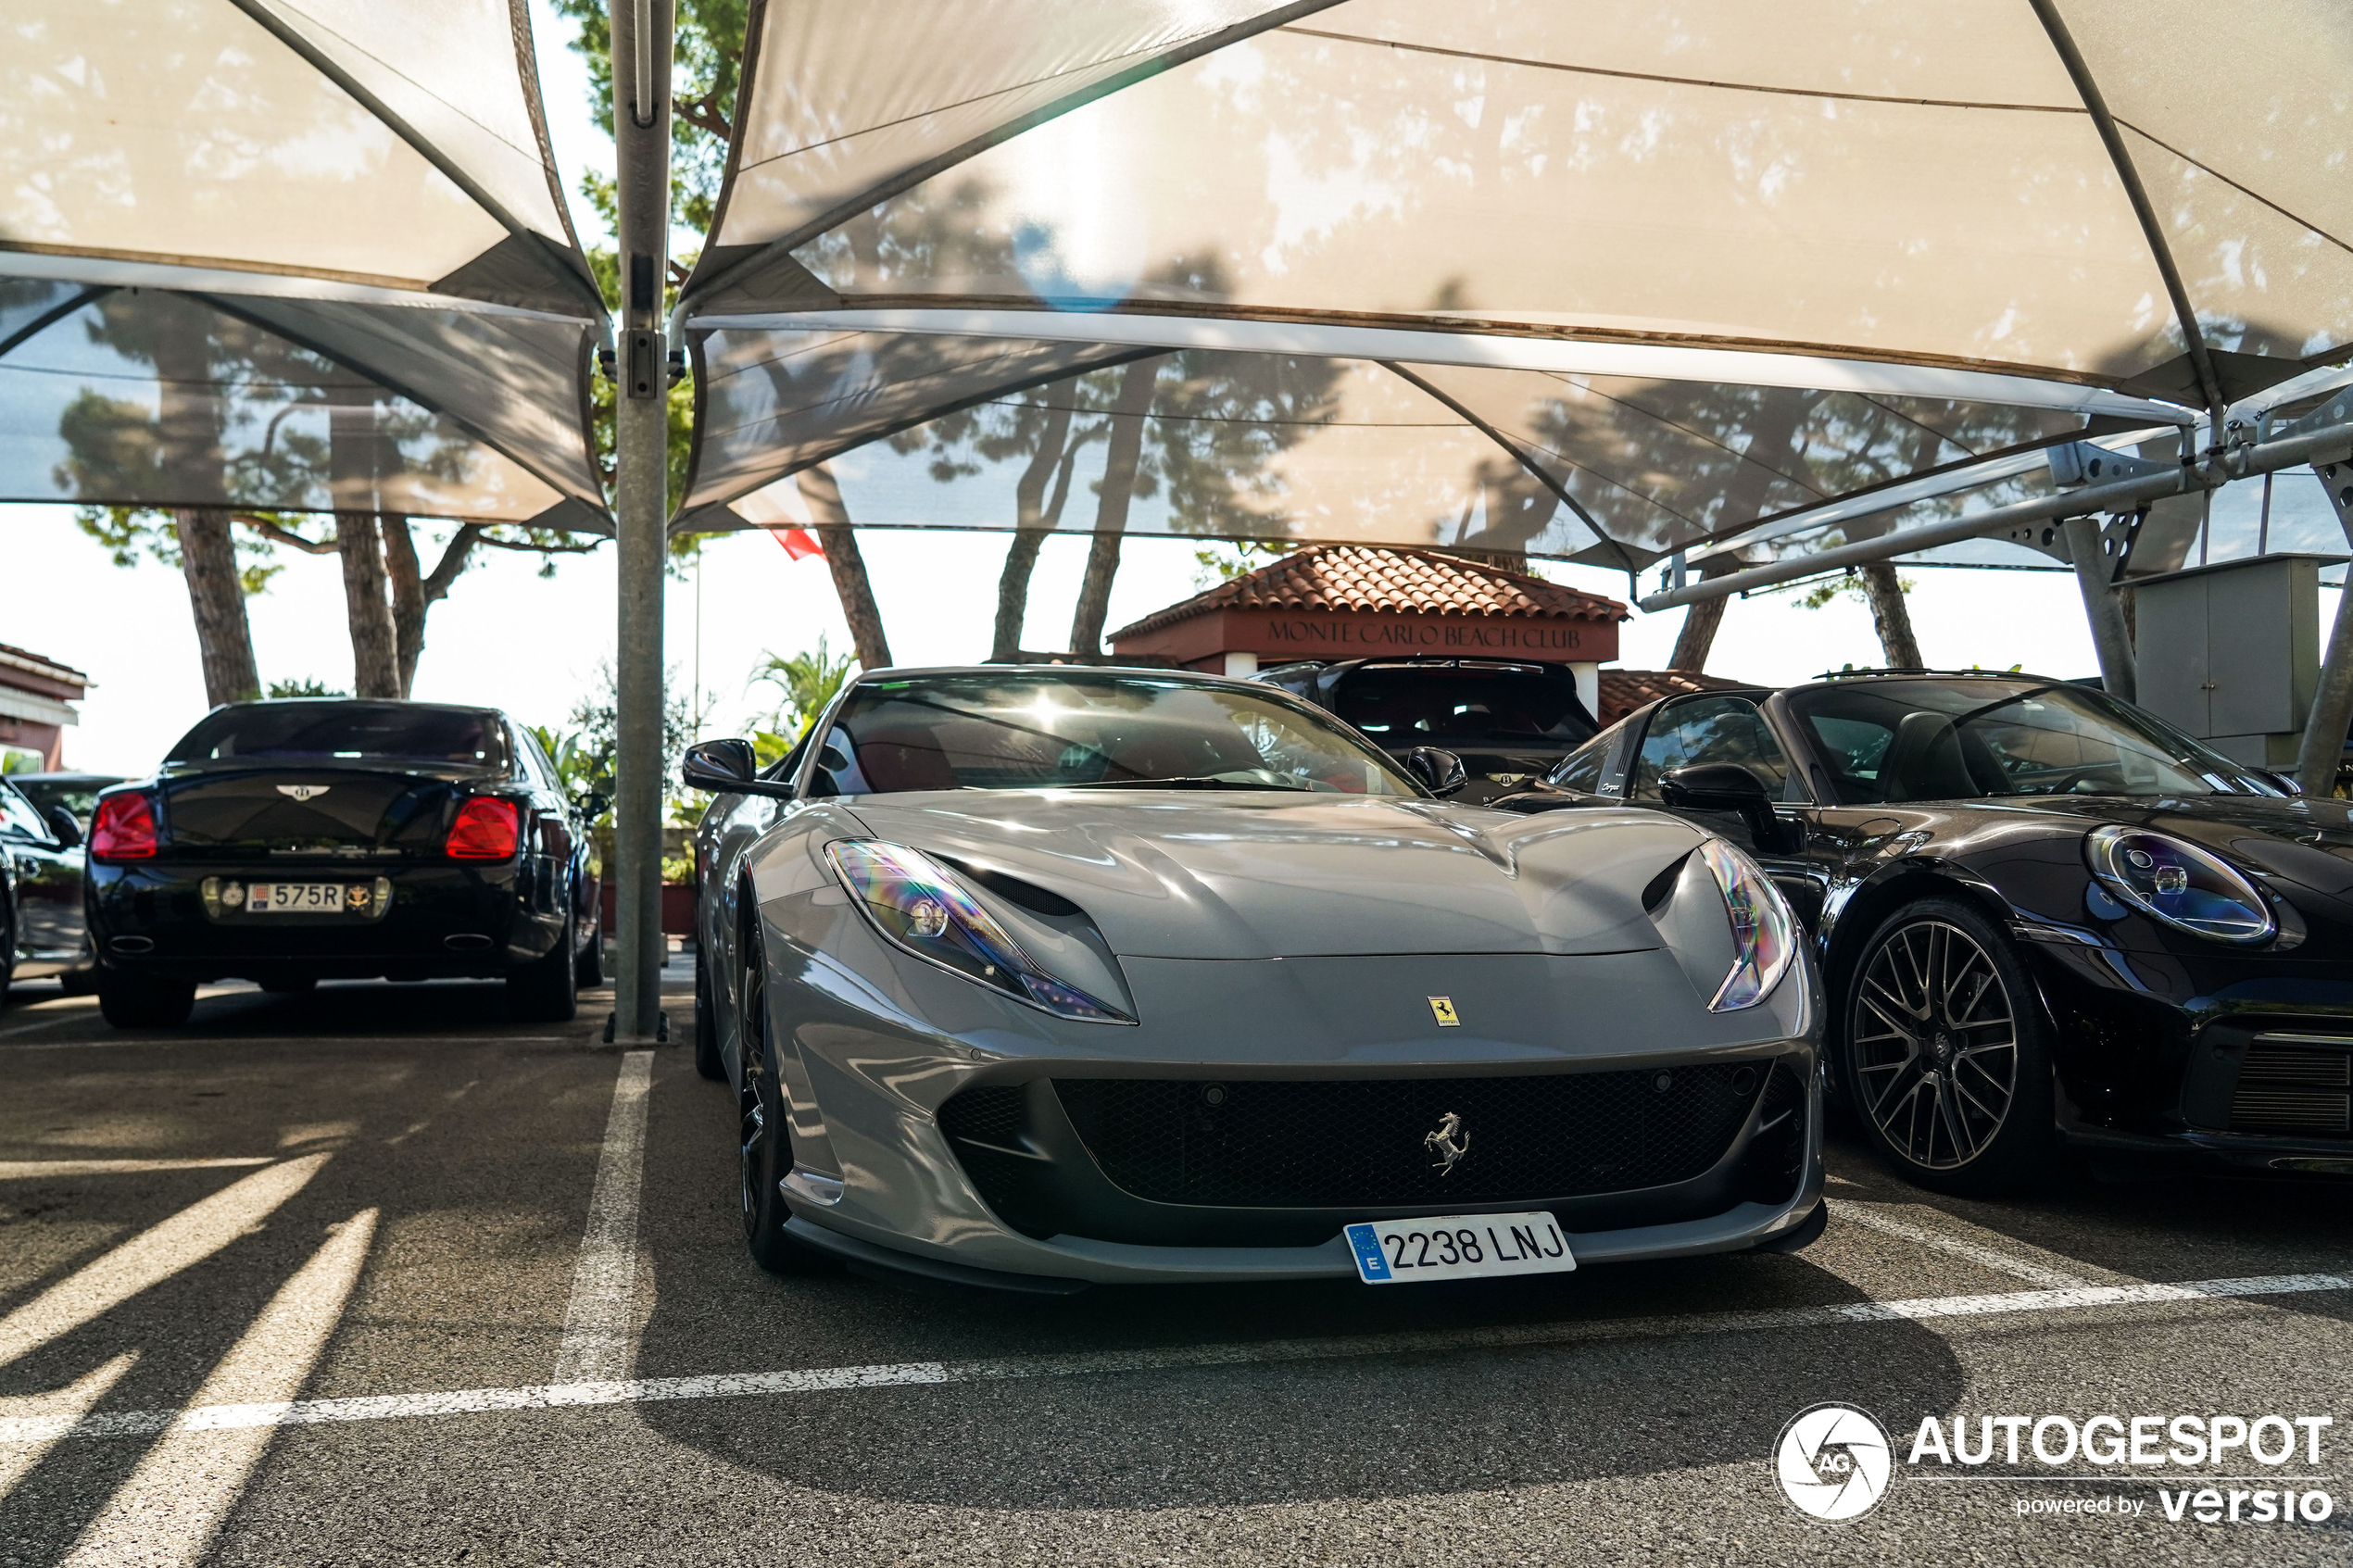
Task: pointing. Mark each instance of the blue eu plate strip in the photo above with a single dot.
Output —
(1372, 1264)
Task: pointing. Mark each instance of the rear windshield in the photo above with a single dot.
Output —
(1435, 705)
(341, 732)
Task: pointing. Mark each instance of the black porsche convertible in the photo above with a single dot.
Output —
(288, 842)
(2042, 915)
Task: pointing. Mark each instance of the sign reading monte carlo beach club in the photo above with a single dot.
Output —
(1349, 601)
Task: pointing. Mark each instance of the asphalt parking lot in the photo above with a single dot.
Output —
(361, 1277)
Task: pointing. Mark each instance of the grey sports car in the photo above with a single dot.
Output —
(1044, 977)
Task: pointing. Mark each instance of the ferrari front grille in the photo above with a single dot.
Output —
(1344, 1144)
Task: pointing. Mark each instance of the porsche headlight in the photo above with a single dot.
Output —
(1764, 936)
(2179, 884)
(918, 904)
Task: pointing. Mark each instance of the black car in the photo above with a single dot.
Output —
(78, 792)
(1510, 721)
(41, 935)
(294, 841)
(2042, 915)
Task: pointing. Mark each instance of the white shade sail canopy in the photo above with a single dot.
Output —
(251, 250)
(1600, 281)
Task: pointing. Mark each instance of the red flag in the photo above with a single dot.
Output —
(798, 543)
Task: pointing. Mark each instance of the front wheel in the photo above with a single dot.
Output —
(135, 1001)
(1948, 1061)
(708, 1060)
(764, 1158)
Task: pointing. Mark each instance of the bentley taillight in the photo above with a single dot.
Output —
(484, 830)
(124, 829)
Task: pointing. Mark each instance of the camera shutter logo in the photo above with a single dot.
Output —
(1833, 1462)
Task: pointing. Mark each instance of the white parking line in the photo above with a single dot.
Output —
(153, 1256)
(1958, 1246)
(37, 1170)
(62, 1406)
(166, 1512)
(602, 1316)
(471, 1401)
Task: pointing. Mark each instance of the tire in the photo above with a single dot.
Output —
(764, 1153)
(298, 988)
(132, 1001)
(542, 991)
(708, 1060)
(1945, 1053)
(589, 969)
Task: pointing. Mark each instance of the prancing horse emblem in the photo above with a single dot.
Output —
(304, 792)
(1450, 1143)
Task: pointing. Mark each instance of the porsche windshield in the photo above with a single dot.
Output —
(1078, 729)
(1967, 740)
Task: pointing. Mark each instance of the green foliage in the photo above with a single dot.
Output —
(807, 681)
(575, 767)
(307, 687)
(1849, 586)
(14, 761)
(130, 534)
(768, 747)
(596, 724)
(1229, 558)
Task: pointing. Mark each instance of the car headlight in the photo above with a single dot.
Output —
(2179, 884)
(1764, 934)
(917, 903)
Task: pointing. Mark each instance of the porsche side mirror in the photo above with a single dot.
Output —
(66, 825)
(1440, 773)
(1724, 787)
(728, 767)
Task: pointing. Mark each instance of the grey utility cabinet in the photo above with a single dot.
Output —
(2232, 652)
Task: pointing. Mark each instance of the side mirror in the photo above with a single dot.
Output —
(1724, 787)
(728, 767)
(66, 825)
(1440, 773)
(591, 805)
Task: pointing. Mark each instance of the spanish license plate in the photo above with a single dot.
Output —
(295, 898)
(1459, 1246)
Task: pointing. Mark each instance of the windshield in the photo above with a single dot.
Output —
(1936, 740)
(1407, 705)
(341, 732)
(1071, 729)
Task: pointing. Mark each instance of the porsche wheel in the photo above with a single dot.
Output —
(1948, 1060)
(765, 1135)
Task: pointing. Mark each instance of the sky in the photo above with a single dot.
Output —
(507, 638)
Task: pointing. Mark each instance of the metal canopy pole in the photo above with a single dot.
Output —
(641, 60)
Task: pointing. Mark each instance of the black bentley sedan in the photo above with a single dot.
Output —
(2042, 915)
(1509, 719)
(288, 842)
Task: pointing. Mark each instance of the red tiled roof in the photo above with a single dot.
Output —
(1398, 581)
(1625, 690)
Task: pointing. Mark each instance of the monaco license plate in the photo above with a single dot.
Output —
(1459, 1246)
(295, 898)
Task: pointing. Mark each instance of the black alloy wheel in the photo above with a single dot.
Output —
(1948, 1061)
(764, 1135)
(545, 990)
(135, 1001)
(589, 969)
(708, 1060)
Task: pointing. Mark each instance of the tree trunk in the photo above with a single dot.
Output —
(1891, 617)
(1121, 460)
(224, 641)
(831, 523)
(1768, 448)
(375, 671)
(408, 597)
(1021, 556)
